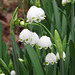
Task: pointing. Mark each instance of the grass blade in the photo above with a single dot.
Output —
(14, 55)
(35, 61)
(4, 67)
(72, 55)
(57, 16)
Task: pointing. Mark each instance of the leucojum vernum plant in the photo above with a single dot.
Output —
(45, 51)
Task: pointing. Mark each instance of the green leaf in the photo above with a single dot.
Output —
(51, 69)
(72, 55)
(13, 19)
(57, 16)
(4, 67)
(1, 39)
(23, 70)
(64, 26)
(64, 43)
(5, 53)
(67, 61)
(14, 55)
(58, 43)
(35, 61)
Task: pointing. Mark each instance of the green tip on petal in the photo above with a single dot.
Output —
(45, 47)
(41, 15)
(25, 43)
(33, 18)
(26, 39)
(37, 19)
(52, 63)
(47, 63)
(39, 46)
(29, 20)
(32, 45)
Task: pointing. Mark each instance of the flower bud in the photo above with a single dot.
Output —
(22, 23)
(21, 60)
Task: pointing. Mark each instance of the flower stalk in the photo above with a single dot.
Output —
(37, 3)
(42, 26)
(61, 67)
(72, 19)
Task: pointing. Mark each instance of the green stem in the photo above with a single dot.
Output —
(61, 67)
(23, 3)
(37, 3)
(33, 24)
(20, 3)
(72, 21)
(40, 24)
(47, 31)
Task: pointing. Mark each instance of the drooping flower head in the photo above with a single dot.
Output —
(13, 72)
(44, 42)
(50, 58)
(2, 74)
(35, 14)
(25, 36)
(34, 39)
(64, 2)
(58, 57)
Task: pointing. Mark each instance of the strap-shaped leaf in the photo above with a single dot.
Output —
(35, 61)
(14, 55)
(4, 67)
(23, 70)
(14, 17)
(72, 55)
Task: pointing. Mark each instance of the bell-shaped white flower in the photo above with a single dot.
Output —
(44, 42)
(58, 57)
(64, 2)
(34, 39)
(31, 14)
(25, 36)
(50, 58)
(68, 1)
(13, 72)
(35, 14)
(2, 74)
(41, 13)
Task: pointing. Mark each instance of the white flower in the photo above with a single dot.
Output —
(64, 2)
(58, 57)
(13, 72)
(44, 42)
(35, 14)
(34, 39)
(42, 13)
(68, 1)
(2, 74)
(50, 58)
(25, 36)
